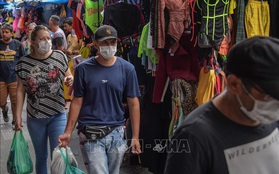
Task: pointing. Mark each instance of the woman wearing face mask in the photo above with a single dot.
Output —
(41, 74)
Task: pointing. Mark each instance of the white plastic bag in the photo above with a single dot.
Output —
(58, 165)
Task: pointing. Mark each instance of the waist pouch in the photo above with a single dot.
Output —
(97, 132)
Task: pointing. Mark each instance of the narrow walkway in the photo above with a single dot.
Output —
(6, 136)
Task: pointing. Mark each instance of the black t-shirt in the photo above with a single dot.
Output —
(210, 143)
(124, 17)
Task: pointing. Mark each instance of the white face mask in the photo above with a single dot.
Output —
(44, 46)
(263, 111)
(108, 51)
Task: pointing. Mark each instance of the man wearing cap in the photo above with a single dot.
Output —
(59, 41)
(100, 84)
(235, 132)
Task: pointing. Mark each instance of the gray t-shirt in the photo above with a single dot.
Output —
(59, 39)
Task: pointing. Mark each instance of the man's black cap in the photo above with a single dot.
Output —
(257, 60)
(105, 32)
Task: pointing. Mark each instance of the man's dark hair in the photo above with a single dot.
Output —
(7, 26)
(68, 21)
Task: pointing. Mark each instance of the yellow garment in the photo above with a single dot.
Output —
(207, 82)
(233, 5)
(73, 44)
(257, 18)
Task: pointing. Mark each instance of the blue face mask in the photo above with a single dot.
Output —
(264, 112)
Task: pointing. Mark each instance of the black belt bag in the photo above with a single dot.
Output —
(97, 132)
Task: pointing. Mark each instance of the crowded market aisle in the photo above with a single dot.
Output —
(6, 137)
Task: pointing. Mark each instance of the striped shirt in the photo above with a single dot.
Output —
(43, 82)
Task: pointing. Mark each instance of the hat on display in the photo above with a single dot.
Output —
(257, 60)
(105, 32)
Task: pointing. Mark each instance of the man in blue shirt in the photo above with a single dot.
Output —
(10, 52)
(99, 87)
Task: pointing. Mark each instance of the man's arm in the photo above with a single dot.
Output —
(75, 107)
(134, 109)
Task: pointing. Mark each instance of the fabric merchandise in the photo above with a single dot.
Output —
(257, 18)
(231, 148)
(59, 39)
(240, 30)
(108, 81)
(143, 49)
(93, 17)
(124, 17)
(9, 56)
(179, 20)
(131, 57)
(206, 85)
(154, 125)
(80, 10)
(72, 4)
(225, 44)
(214, 25)
(43, 83)
(183, 101)
(274, 18)
(184, 64)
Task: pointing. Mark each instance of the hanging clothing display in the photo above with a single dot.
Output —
(125, 18)
(183, 101)
(179, 20)
(240, 30)
(207, 82)
(257, 18)
(274, 18)
(184, 64)
(155, 120)
(93, 17)
(214, 25)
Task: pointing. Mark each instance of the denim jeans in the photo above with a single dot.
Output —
(105, 155)
(40, 131)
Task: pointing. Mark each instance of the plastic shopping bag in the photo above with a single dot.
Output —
(19, 160)
(64, 162)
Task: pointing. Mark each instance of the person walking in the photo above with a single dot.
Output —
(27, 41)
(235, 132)
(10, 52)
(41, 75)
(100, 84)
(59, 41)
(74, 46)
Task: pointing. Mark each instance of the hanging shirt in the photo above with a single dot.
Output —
(125, 18)
(93, 17)
(207, 82)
